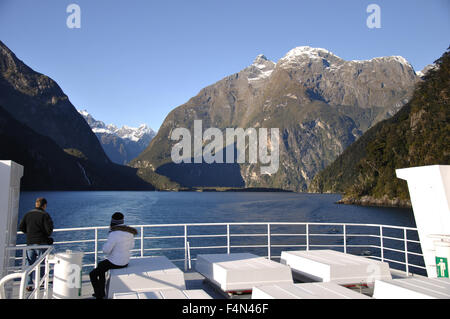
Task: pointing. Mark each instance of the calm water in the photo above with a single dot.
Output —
(83, 209)
(79, 209)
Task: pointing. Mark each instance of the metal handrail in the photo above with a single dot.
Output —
(269, 234)
(36, 267)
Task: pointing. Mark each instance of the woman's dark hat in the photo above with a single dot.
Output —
(117, 219)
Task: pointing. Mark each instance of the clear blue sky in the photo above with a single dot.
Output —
(132, 62)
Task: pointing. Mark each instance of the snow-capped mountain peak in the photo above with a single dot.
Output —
(125, 132)
(120, 144)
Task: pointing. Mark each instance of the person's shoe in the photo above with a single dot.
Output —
(30, 288)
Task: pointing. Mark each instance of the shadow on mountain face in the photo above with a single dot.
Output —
(204, 174)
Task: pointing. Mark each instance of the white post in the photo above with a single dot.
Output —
(185, 247)
(381, 243)
(429, 189)
(268, 241)
(405, 238)
(307, 237)
(228, 239)
(142, 241)
(10, 175)
(96, 247)
(345, 239)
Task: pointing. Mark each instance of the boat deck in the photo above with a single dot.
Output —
(195, 280)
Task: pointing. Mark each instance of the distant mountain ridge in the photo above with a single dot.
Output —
(320, 103)
(419, 134)
(120, 144)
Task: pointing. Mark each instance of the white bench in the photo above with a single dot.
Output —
(146, 274)
(240, 272)
(163, 294)
(318, 290)
(412, 288)
(334, 266)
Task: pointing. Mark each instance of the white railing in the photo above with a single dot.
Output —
(22, 273)
(341, 232)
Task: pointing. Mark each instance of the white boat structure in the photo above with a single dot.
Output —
(260, 260)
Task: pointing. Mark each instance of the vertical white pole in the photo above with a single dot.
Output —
(96, 248)
(228, 239)
(185, 247)
(307, 237)
(268, 242)
(381, 243)
(406, 251)
(142, 241)
(345, 239)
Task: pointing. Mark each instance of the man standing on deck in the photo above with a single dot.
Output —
(117, 249)
(37, 225)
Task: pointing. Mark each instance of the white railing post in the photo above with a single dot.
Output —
(228, 239)
(406, 251)
(345, 239)
(307, 237)
(23, 285)
(47, 275)
(185, 247)
(24, 256)
(37, 279)
(268, 242)
(142, 241)
(381, 243)
(189, 254)
(96, 248)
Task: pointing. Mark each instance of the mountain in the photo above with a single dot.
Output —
(419, 134)
(49, 167)
(120, 144)
(38, 102)
(320, 102)
(41, 130)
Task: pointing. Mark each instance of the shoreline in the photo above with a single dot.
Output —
(376, 202)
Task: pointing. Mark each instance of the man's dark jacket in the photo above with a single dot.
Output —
(38, 226)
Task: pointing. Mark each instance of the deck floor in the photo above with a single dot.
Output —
(194, 280)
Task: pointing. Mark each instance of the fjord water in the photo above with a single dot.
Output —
(83, 209)
(94, 208)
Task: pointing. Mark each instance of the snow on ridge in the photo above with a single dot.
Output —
(125, 132)
(310, 52)
(397, 58)
(298, 55)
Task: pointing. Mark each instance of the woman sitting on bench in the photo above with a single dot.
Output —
(117, 249)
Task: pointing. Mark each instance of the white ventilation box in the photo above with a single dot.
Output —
(412, 288)
(317, 290)
(241, 271)
(334, 266)
(146, 274)
(164, 294)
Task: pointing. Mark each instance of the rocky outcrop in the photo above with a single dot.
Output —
(384, 201)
